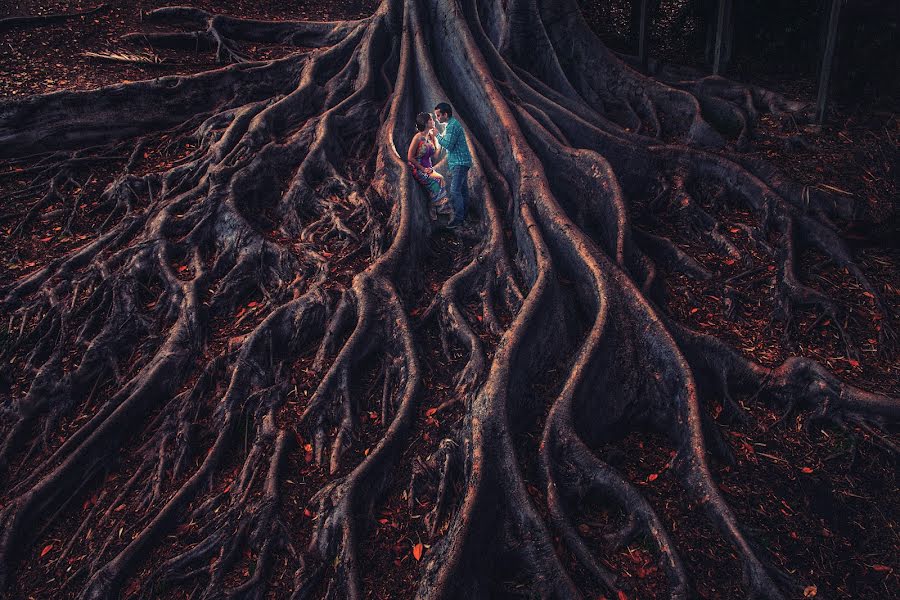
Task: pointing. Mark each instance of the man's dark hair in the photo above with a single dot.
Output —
(445, 108)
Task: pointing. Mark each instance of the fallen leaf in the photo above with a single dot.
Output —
(46, 549)
(430, 412)
(806, 470)
(810, 591)
(417, 551)
(652, 477)
(881, 568)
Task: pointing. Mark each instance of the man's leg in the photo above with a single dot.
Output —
(457, 185)
(465, 194)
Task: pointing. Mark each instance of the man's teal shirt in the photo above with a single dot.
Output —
(454, 141)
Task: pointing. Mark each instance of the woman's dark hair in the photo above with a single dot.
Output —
(422, 121)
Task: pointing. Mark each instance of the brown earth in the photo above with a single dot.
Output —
(823, 501)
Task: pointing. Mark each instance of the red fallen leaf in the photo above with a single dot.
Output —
(46, 549)
(46, 239)
(479, 317)
(868, 294)
(307, 513)
(327, 254)
(183, 528)
(652, 477)
(251, 304)
(227, 489)
(729, 261)
(694, 310)
(383, 521)
(119, 508)
(853, 362)
(133, 588)
(734, 230)
(430, 412)
(806, 470)
(182, 268)
(621, 595)
(240, 313)
(643, 572)
(881, 568)
(417, 551)
(771, 267)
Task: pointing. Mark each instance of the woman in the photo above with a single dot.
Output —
(422, 149)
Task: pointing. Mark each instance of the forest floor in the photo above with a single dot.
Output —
(822, 500)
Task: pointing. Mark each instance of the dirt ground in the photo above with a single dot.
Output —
(824, 501)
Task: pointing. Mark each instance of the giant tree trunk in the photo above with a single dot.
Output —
(296, 197)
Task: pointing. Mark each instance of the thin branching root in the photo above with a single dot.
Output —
(252, 319)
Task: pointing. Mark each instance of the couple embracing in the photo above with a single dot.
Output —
(448, 200)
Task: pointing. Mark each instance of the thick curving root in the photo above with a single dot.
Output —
(228, 376)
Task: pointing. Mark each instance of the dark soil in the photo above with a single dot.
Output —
(823, 501)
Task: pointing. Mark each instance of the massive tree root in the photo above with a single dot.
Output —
(264, 289)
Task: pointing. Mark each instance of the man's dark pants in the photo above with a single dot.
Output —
(459, 193)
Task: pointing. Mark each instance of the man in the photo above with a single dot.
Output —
(453, 139)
